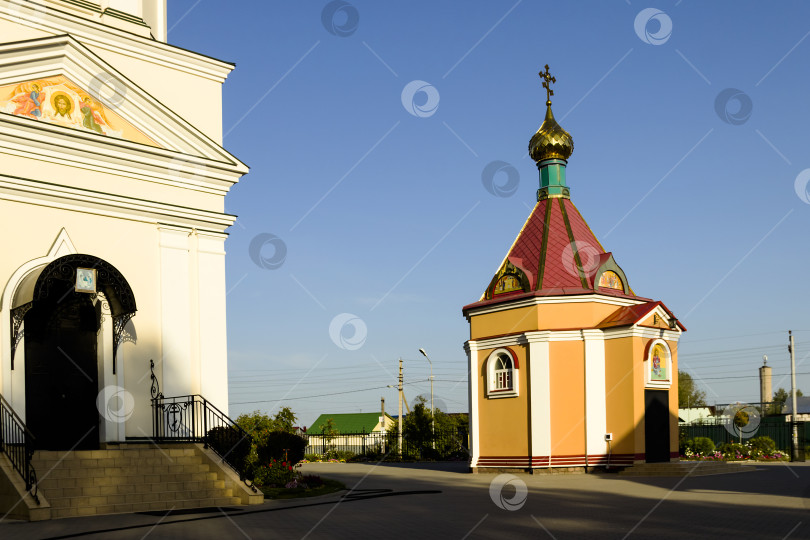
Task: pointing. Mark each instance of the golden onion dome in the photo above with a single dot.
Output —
(551, 141)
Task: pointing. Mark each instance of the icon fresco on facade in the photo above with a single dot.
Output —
(508, 283)
(56, 100)
(610, 280)
(658, 366)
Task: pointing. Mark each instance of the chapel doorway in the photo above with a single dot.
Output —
(61, 372)
(64, 364)
(656, 425)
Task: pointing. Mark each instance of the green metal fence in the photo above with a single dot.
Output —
(779, 431)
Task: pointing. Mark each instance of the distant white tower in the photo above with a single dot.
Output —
(765, 389)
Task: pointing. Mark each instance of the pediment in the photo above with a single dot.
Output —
(59, 84)
(59, 101)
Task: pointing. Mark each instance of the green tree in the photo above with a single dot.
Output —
(741, 420)
(255, 423)
(284, 420)
(329, 434)
(417, 426)
(259, 425)
(779, 400)
(689, 395)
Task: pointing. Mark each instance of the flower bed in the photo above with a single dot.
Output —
(756, 449)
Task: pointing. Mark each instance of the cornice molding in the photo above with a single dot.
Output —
(563, 299)
(110, 205)
(54, 144)
(48, 18)
(586, 334)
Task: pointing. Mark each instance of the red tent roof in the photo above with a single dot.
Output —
(558, 252)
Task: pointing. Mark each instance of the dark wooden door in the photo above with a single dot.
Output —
(656, 425)
(61, 373)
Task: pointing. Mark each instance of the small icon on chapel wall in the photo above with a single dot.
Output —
(86, 280)
(659, 366)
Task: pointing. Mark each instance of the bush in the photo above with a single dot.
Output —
(312, 457)
(276, 474)
(684, 442)
(231, 444)
(734, 451)
(274, 445)
(702, 446)
(340, 455)
(762, 446)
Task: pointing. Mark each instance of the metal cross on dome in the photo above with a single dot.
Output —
(547, 78)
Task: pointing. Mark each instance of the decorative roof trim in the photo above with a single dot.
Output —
(541, 269)
(584, 297)
(582, 278)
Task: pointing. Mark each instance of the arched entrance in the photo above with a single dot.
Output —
(61, 340)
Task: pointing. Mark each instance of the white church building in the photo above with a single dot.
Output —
(112, 271)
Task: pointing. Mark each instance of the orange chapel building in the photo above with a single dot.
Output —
(569, 368)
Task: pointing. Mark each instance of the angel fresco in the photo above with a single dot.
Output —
(28, 104)
(92, 115)
(57, 100)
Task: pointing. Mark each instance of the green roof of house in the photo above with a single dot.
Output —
(348, 423)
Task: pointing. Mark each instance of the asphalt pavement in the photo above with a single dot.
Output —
(442, 500)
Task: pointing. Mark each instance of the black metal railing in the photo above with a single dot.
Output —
(17, 442)
(195, 419)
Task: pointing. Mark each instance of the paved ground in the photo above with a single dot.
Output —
(442, 501)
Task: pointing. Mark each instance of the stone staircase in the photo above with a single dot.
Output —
(682, 468)
(137, 478)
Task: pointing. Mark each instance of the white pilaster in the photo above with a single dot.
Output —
(471, 347)
(595, 394)
(539, 393)
(213, 338)
(175, 285)
(108, 429)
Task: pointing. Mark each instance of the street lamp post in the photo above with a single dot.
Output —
(432, 411)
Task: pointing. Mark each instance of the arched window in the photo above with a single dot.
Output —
(502, 374)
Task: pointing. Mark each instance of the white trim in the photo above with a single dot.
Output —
(539, 300)
(492, 392)
(648, 383)
(471, 347)
(643, 332)
(662, 313)
(539, 393)
(595, 393)
(577, 335)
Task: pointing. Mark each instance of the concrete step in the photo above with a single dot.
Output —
(138, 498)
(110, 463)
(129, 486)
(131, 479)
(144, 507)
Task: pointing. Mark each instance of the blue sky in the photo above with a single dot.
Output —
(368, 208)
